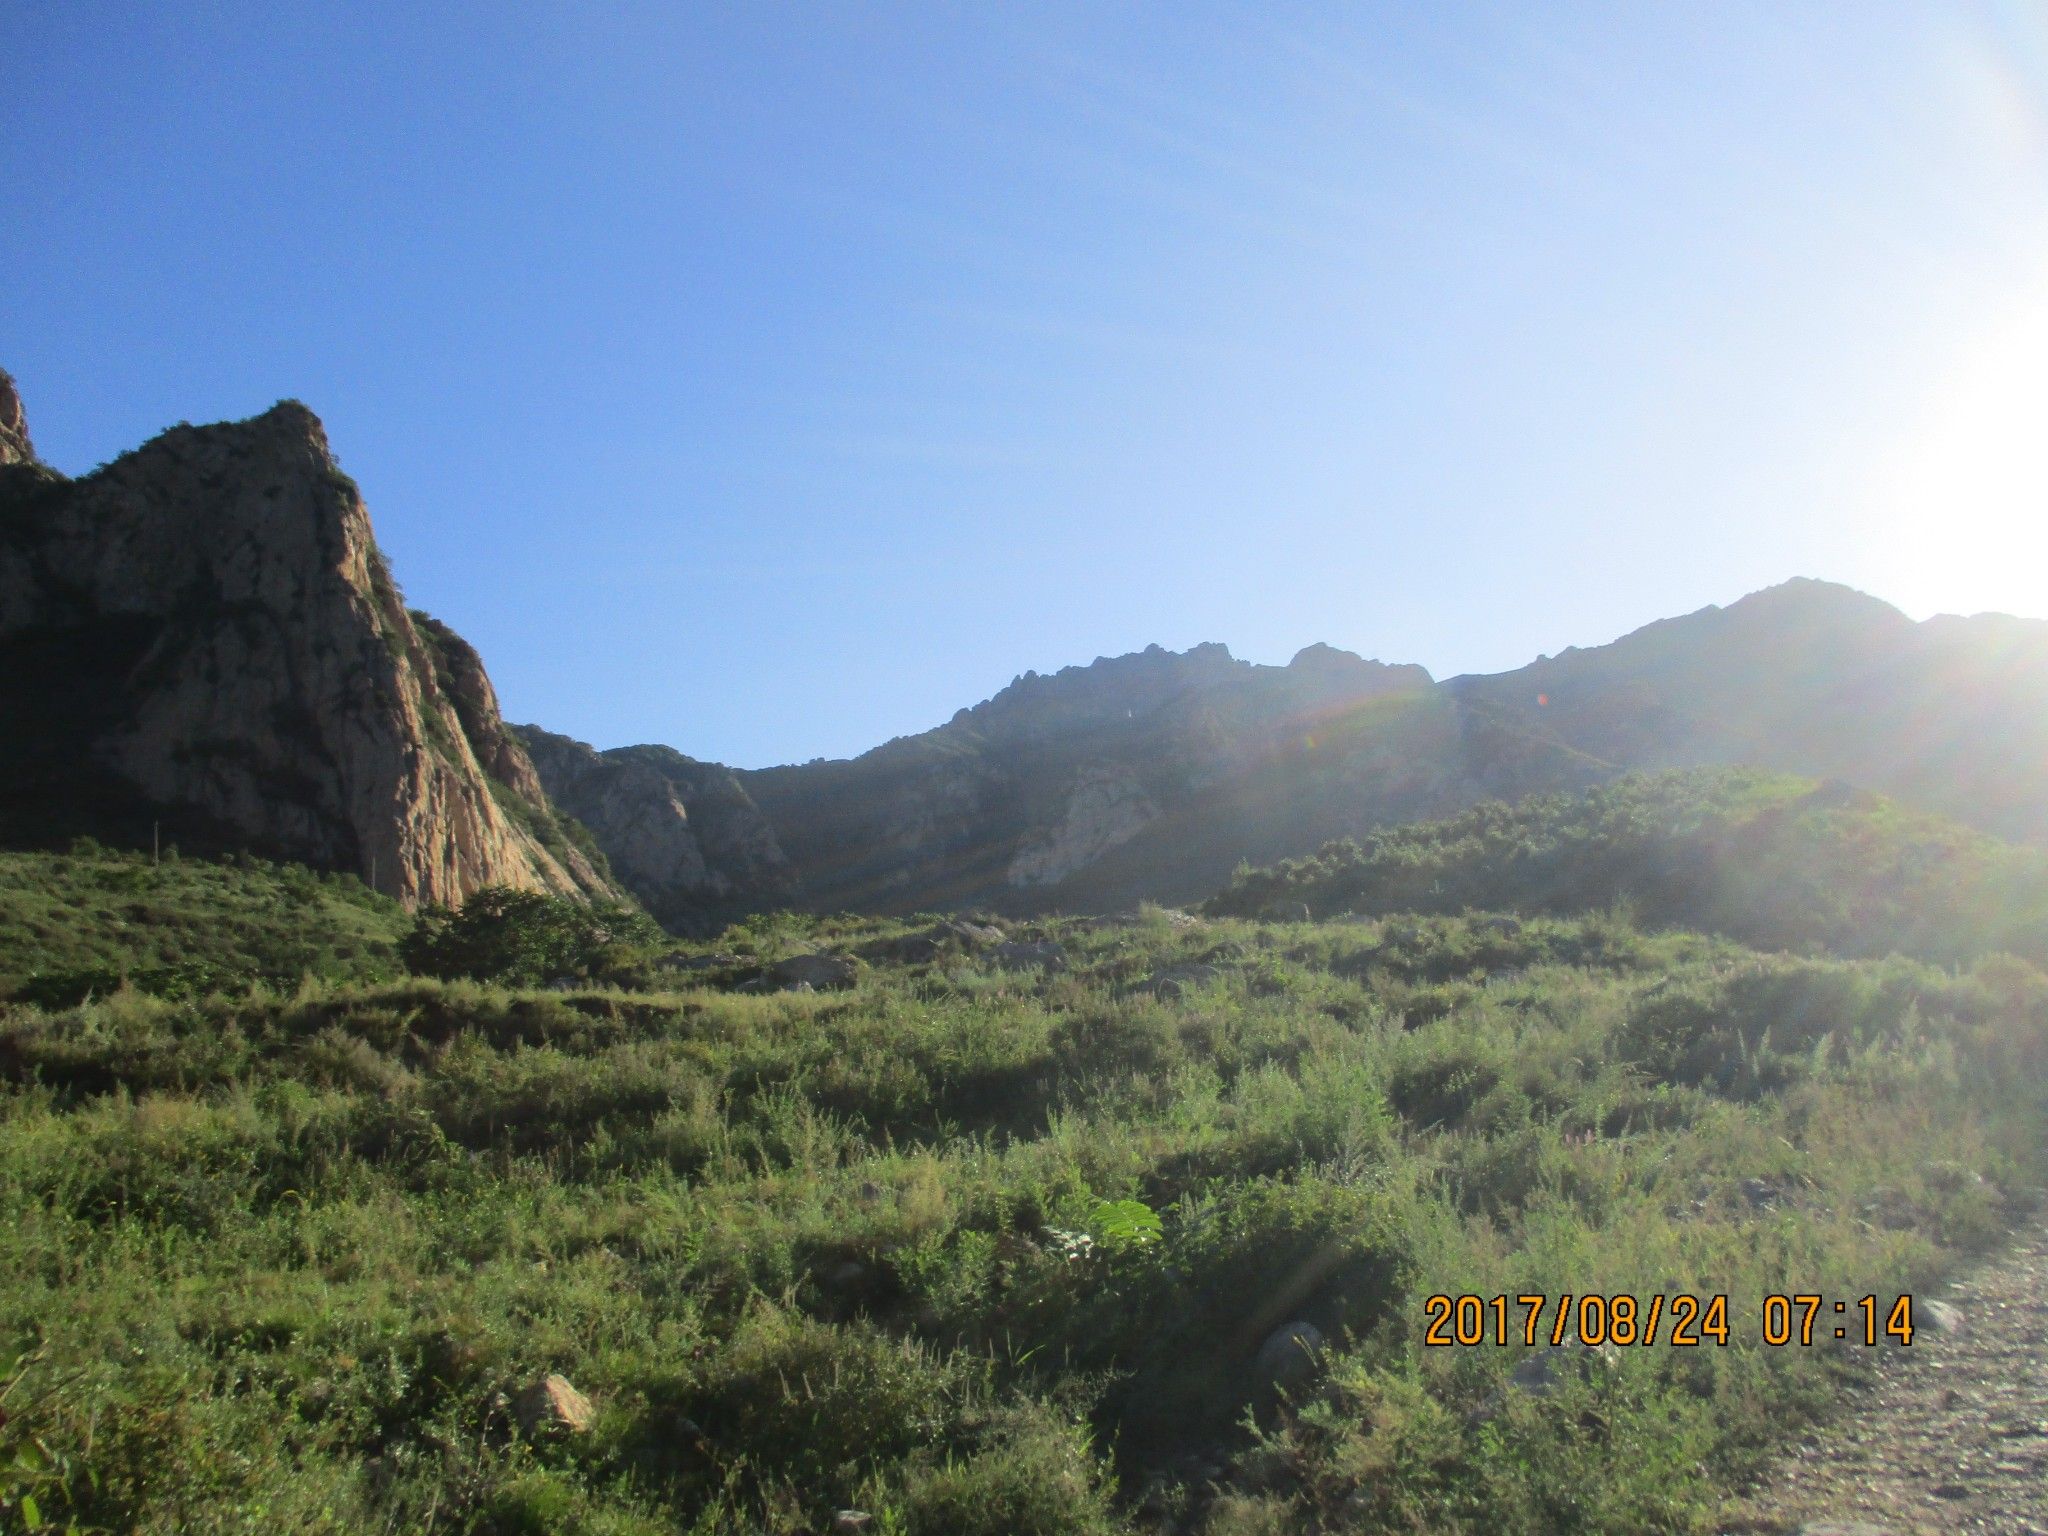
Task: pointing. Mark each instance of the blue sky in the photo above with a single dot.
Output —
(770, 381)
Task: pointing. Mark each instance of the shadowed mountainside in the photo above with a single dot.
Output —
(1155, 775)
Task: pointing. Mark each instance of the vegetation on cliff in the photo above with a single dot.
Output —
(1770, 859)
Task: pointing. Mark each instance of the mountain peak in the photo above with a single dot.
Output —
(1809, 595)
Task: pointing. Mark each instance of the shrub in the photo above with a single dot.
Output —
(524, 938)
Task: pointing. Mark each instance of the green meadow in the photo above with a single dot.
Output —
(1139, 1239)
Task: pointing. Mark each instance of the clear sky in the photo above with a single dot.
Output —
(772, 380)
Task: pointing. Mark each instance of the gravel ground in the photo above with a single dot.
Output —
(1951, 1435)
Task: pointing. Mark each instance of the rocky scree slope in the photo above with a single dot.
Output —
(203, 634)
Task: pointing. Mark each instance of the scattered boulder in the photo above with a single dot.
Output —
(1939, 1317)
(1289, 1356)
(1549, 1368)
(972, 934)
(1761, 1194)
(819, 972)
(552, 1406)
(1024, 955)
(1175, 981)
(1546, 1370)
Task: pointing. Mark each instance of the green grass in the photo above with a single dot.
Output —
(79, 923)
(290, 1254)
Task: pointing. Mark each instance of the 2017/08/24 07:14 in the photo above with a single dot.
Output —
(1683, 1321)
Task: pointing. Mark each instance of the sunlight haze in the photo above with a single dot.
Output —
(805, 375)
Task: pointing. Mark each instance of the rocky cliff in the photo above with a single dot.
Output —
(683, 835)
(203, 634)
(15, 448)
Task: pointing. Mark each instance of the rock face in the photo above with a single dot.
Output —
(204, 634)
(684, 836)
(1070, 790)
(15, 448)
(1108, 807)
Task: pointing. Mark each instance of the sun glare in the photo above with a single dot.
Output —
(1965, 497)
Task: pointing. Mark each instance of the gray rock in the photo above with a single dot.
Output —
(1938, 1317)
(1543, 1371)
(552, 1406)
(1289, 1355)
(1026, 956)
(1175, 981)
(972, 934)
(820, 972)
(1761, 1194)
(685, 836)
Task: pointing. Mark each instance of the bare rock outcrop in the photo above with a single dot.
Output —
(207, 624)
(1108, 807)
(15, 447)
(684, 836)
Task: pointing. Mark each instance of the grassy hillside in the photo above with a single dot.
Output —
(84, 921)
(1776, 861)
(976, 1250)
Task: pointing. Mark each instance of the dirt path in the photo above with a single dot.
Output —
(1952, 1435)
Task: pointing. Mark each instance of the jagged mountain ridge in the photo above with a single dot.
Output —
(1155, 774)
(203, 636)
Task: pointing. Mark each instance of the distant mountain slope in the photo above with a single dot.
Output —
(1155, 774)
(1020, 801)
(1770, 859)
(1812, 678)
(203, 634)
